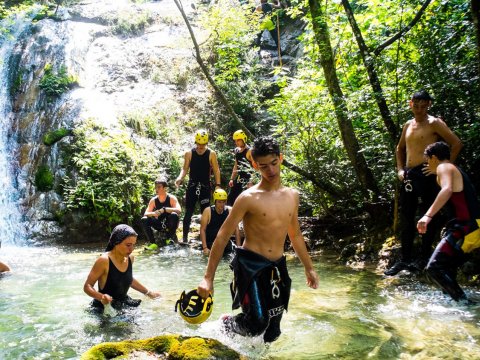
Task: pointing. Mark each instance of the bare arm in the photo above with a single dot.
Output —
(186, 165)
(445, 176)
(136, 285)
(205, 220)
(401, 153)
(300, 248)
(149, 211)
(99, 269)
(174, 205)
(449, 137)
(236, 215)
(215, 167)
(234, 174)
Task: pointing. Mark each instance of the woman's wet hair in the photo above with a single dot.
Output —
(422, 95)
(265, 145)
(440, 149)
(119, 233)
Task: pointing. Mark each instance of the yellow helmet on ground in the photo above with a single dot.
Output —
(219, 194)
(201, 137)
(240, 135)
(193, 308)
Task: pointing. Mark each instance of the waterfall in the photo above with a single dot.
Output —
(11, 227)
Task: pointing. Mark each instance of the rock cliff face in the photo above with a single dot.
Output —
(124, 57)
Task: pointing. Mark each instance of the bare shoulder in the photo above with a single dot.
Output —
(102, 261)
(173, 197)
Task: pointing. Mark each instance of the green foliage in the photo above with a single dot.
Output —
(236, 67)
(44, 178)
(54, 136)
(130, 22)
(110, 177)
(55, 84)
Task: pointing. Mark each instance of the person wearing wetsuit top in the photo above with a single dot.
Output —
(198, 163)
(242, 168)
(458, 193)
(261, 285)
(114, 274)
(213, 218)
(162, 213)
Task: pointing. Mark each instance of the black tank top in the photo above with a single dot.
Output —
(118, 282)
(159, 204)
(243, 163)
(216, 221)
(200, 167)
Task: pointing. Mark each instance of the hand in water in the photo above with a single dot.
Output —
(153, 294)
(108, 310)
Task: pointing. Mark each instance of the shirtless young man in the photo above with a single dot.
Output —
(269, 212)
(418, 182)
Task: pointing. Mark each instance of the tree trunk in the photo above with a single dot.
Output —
(368, 62)
(349, 138)
(476, 21)
(323, 184)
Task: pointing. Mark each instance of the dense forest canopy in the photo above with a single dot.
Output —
(338, 105)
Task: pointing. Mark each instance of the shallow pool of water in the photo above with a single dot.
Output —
(355, 314)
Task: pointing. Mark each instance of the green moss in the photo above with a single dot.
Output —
(44, 179)
(52, 137)
(178, 347)
(55, 84)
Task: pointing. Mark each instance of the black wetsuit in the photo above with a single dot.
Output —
(117, 286)
(417, 186)
(262, 289)
(244, 166)
(166, 222)
(448, 255)
(216, 222)
(198, 188)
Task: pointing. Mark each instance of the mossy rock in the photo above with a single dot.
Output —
(173, 347)
(44, 179)
(54, 136)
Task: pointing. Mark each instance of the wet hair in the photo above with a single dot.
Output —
(265, 145)
(119, 233)
(440, 149)
(422, 95)
(161, 180)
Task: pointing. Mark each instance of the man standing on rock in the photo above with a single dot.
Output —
(417, 181)
(261, 283)
(198, 163)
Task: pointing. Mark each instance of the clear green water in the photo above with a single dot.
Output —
(353, 315)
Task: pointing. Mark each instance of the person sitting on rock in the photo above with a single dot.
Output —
(212, 220)
(162, 214)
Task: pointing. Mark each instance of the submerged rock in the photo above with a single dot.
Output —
(163, 347)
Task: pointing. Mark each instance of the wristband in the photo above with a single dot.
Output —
(427, 216)
(147, 293)
(164, 209)
(218, 184)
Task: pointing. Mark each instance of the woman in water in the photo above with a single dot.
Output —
(113, 272)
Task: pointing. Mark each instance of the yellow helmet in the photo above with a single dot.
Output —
(201, 137)
(219, 194)
(240, 135)
(193, 308)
